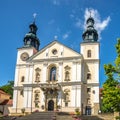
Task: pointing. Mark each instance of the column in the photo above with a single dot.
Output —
(16, 76)
(73, 97)
(78, 71)
(27, 74)
(59, 98)
(29, 97)
(25, 97)
(31, 74)
(15, 98)
(78, 90)
(96, 72)
(44, 72)
(60, 75)
(74, 71)
(42, 99)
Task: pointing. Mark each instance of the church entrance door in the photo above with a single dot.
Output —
(88, 110)
(50, 105)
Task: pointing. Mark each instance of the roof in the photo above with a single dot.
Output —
(2, 92)
(7, 102)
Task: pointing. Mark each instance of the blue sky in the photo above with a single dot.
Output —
(64, 19)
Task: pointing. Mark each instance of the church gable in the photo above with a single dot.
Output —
(55, 50)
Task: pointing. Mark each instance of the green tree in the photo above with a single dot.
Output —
(8, 88)
(111, 88)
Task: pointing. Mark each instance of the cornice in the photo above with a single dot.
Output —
(59, 59)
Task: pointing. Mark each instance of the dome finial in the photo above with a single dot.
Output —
(90, 13)
(34, 16)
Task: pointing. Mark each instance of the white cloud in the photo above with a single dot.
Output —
(99, 24)
(78, 23)
(55, 37)
(72, 15)
(66, 35)
(56, 2)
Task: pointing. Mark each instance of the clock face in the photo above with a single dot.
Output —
(24, 56)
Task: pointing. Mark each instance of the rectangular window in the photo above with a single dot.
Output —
(88, 90)
(66, 104)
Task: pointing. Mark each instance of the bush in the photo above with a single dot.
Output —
(77, 111)
(117, 117)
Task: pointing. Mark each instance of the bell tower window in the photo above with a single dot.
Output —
(88, 76)
(22, 79)
(89, 53)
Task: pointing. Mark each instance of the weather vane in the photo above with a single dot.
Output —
(90, 12)
(34, 16)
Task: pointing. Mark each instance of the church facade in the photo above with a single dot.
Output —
(57, 77)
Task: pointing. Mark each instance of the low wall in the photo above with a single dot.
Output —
(106, 116)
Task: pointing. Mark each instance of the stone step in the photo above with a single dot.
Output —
(39, 116)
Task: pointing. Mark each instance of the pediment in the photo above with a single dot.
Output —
(55, 50)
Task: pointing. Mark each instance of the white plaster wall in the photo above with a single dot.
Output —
(31, 74)
(44, 73)
(59, 98)
(94, 47)
(25, 97)
(29, 97)
(73, 96)
(46, 53)
(74, 71)
(27, 75)
(16, 76)
(15, 99)
(96, 72)
(96, 94)
(61, 51)
(78, 71)
(78, 96)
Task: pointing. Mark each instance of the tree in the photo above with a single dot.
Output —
(111, 87)
(8, 88)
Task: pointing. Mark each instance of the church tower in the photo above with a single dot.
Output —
(30, 39)
(90, 52)
(23, 70)
(31, 45)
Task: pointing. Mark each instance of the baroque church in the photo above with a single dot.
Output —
(57, 77)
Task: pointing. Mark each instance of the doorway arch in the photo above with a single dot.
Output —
(50, 105)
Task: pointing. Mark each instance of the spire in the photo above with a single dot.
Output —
(30, 39)
(90, 34)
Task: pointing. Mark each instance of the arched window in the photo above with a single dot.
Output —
(88, 76)
(89, 53)
(53, 73)
(22, 79)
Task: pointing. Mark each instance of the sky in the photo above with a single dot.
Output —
(61, 19)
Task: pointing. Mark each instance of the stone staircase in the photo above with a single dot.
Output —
(55, 116)
(39, 116)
